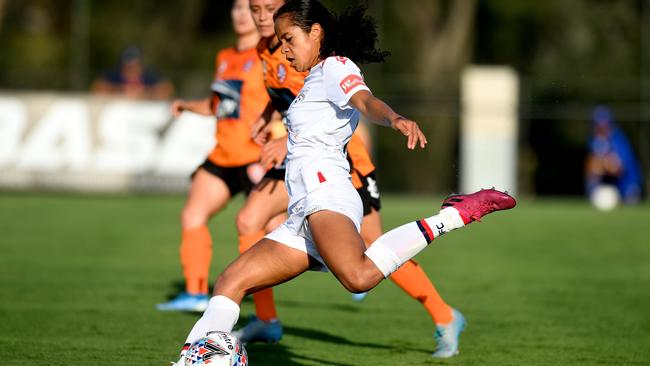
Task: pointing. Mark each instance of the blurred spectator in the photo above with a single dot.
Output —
(611, 160)
(132, 79)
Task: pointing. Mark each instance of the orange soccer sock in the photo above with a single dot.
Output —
(196, 255)
(248, 240)
(412, 279)
(264, 303)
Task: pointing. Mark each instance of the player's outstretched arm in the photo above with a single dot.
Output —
(201, 106)
(380, 113)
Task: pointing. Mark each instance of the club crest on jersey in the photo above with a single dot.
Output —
(351, 82)
(342, 60)
(248, 65)
(222, 67)
(282, 73)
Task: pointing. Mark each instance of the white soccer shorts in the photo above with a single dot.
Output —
(339, 197)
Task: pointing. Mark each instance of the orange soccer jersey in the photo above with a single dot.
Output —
(239, 100)
(282, 81)
(360, 162)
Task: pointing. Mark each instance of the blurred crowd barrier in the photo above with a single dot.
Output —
(98, 144)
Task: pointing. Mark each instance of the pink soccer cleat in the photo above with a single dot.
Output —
(472, 207)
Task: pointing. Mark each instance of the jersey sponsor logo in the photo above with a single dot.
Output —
(342, 60)
(229, 92)
(282, 73)
(350, 82)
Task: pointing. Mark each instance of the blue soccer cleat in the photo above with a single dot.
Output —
(447, 336)
(359, 297)
(186, 302)
(260, 331)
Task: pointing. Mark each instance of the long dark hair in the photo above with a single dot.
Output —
(351, 33)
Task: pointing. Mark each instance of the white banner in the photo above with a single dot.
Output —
(80, 142)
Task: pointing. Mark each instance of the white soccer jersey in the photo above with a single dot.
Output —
(320, 122)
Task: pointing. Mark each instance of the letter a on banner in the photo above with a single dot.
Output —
(60, 140)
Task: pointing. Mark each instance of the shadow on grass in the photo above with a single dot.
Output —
(327, 306)
(279, 354)
(321, 336)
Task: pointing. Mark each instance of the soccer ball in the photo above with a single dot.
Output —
(217, 349)
(605, 197)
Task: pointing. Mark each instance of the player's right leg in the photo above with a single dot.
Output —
(208, 195)
(412, 279)
(265, 264)
(397, 246)
(341, 247)
(264, 209)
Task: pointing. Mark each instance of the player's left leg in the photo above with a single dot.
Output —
(265, 264)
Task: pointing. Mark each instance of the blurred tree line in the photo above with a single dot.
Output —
(571, 55)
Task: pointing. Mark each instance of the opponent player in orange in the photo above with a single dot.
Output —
(283, 84)
(238, 99)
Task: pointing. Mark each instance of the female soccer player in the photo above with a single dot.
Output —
(325, 211)
(238, 100)
(270, 197)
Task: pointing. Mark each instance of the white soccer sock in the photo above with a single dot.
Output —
(399, 245)
(221, 315)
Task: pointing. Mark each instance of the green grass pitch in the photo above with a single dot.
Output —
(552, 282)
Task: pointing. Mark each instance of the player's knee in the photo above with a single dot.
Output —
(356, 281)
(248, 223)
(229, 284)
(192, 217)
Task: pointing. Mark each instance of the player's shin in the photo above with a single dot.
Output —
(399, 245)
(221, 315)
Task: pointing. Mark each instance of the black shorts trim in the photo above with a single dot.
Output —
(369, 193)
(236, 178)
(275, 173)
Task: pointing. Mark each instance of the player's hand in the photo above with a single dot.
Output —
(263, 136)
(273, 153)
(258, 127)
(267, 133)
(177, 107)
(411, 130)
